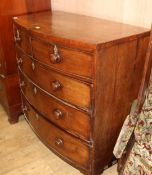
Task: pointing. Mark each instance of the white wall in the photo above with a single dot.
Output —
(136, 12)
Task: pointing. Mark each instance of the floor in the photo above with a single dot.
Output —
(21, 153)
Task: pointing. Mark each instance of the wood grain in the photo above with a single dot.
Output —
(85, 32)
(119, 78)
(61, 143)
(71, 60)
(46, 78)
(71, 120)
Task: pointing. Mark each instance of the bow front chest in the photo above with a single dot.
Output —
(78, 78)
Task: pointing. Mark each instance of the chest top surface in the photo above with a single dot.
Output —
(79, 31)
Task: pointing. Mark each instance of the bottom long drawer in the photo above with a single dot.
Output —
(66, 146)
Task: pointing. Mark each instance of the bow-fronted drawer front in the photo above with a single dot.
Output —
(63, 87)
(68, 147)
(73, 121)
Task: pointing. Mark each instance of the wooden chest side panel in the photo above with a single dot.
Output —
(118, 76)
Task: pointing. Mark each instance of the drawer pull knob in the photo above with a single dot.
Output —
(35, 90)
(33, 66)
(55, 57)
(58, 114)
(56, 85)
(59, 142)
(22, 84)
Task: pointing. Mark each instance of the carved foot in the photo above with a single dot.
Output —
(14, 118)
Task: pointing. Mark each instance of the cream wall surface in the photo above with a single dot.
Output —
(135, 12)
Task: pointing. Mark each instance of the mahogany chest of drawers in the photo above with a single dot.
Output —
(9, 81)
(78, 78)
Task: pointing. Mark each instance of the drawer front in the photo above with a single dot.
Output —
(62, 87)
(59, 141)
(71, 120)
(67, 60)
(22, 40)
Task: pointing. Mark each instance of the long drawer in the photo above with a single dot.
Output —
(71, 120)
(71, 148)
(62, 87)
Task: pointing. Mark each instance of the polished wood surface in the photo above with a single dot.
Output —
(119, 77)
(79, 31)
(71, 120)
(62, 143)
(104, 94)
(8, 68)
(69, 60)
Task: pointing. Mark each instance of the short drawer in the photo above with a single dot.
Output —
(60, 86)
(62, 143)
(22, 40)
(68, 118)
(64, 59)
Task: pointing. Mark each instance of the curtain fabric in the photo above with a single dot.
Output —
(140, 159)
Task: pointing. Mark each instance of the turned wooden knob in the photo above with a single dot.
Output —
(58, 114)
(59, 142)
(56, 85)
